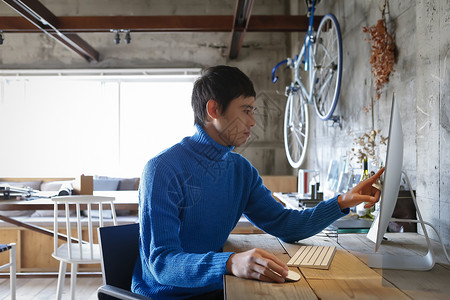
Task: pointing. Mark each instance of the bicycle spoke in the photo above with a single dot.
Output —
(299, 140)
(297, 131)
(300, 132)
(298, 146)
(325, 83)
(324, 94)
(330, 58)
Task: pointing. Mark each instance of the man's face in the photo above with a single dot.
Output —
(234, 126)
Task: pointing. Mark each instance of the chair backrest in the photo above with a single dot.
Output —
(78, 248)
(12, 248)
(119, 248)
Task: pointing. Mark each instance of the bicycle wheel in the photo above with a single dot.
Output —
(327, 53)
(296, 125)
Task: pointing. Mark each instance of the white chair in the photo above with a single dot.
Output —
(11, 265)
(77, 250)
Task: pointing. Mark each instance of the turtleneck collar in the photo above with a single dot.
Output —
(208, 147)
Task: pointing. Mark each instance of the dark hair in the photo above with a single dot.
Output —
(222, 84)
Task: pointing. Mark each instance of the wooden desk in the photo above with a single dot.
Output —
(127, 200)
(349, 277)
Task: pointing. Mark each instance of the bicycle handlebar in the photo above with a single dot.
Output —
(275, 78)
(290, 63)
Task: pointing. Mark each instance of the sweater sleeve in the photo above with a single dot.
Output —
(290, 225)
(161, 251)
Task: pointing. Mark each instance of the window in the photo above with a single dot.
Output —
(96, 124)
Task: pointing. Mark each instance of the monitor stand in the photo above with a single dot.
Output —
(406, 262)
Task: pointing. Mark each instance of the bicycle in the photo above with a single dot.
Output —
(321, 58)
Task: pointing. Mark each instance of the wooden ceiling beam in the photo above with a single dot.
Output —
(38, 15)
(219, 23)
(241, 20)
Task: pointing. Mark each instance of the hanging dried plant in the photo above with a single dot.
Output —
(368, 145)
(382, 53)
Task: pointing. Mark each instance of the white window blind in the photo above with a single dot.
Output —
(55, 124)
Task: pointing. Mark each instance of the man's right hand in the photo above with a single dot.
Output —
(363, 192)
(257, 264)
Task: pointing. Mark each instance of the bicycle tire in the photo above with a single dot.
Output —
(296, 129)
(327, 53)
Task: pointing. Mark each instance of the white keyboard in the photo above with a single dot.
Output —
(318, 257)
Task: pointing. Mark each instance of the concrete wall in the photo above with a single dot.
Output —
(421, 78)
(433, 112)
(421, 85)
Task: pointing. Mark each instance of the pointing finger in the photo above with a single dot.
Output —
(377, 175)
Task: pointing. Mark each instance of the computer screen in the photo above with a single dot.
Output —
(392, 177)
(389, 194)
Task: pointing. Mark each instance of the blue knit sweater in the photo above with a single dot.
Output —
(191, 196)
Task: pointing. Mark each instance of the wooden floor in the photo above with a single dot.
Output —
(32, 288)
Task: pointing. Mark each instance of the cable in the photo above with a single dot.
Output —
(421, 221)
(425, 222)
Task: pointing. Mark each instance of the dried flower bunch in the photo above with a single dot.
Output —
(365, 146)
(382, 50)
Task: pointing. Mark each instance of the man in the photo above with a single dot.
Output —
(193, 194)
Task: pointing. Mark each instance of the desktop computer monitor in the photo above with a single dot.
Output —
(392, 177)
(388, 199)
